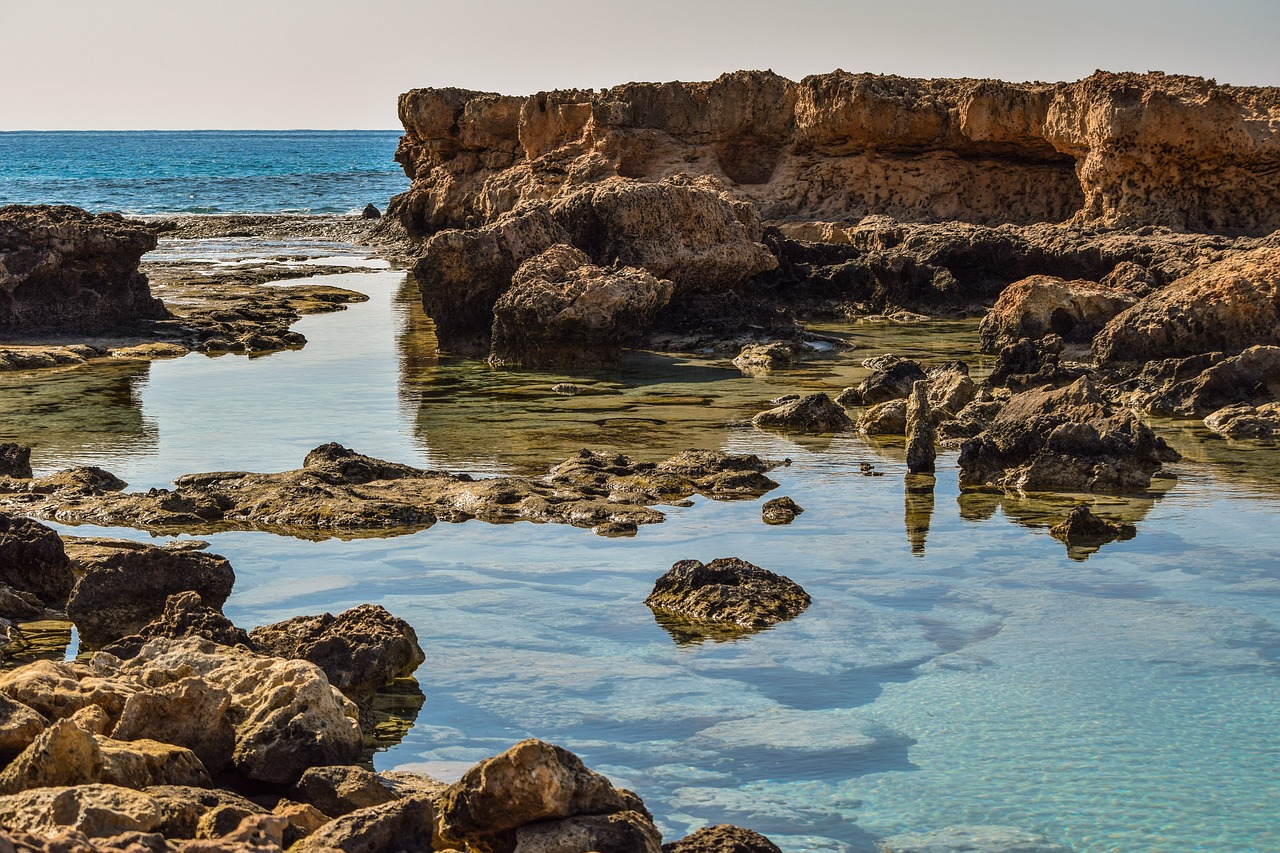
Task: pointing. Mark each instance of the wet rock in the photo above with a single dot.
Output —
(183, 809)
(184, 615)
(629, 831)
(63, 754)
(1243, 421)
(124, 586)
(814, 413)
(920, 431)
(19, 726)
(1031, 364)
(337, 791)
(1199, 385)
(1226, 306)
(532, 781)
(32, 559)
(561, 310)
(1082, 527)
(15, 461)
(407, 824)
(722, 838)
(756, 359)
(891, 379)
(64, 269)
(727, 590)
(360, 649)
(1042, 304)
(971, 839)
(97, 810)
(1066, 439)
(887, 418)
(780, 511)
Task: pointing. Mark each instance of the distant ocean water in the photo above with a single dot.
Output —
(205, 171)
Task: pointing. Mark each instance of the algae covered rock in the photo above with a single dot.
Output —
(729, 590)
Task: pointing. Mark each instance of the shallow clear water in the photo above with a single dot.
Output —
(212, 171)
(956, 666)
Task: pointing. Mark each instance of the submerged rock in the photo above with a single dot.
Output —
(1065, 439)
(814, 413)
(730, 590)
(722, 838)
(971, 839)
(1042, 305)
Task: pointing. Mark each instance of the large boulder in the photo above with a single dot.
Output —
(97, 810)
(891, 378)
(1242, 421)
(63, 754)
(562, 310)
(1067, 439)
(185, 810)
(66, 270)
(342, 789)
(33, 559)
(359, 650)
(126, 585)
(730, 590)
(406, 824)
(1225, 306)
(1042, 304)
(19, 726)
(531, 782)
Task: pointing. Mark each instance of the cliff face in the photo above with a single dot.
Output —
(1112, 150)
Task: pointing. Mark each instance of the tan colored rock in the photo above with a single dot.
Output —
(19, 726)
(814, 413)
(950, 389)
(722, 838)
(1242, 421)
(1042, 304)
(759, 359)
(62, 755)
(255, 833)
(303, 818)
(189, 712)
(407, 824)
(1226, 307)
(337, 791)
(888, 418)
(143, 763)
(97, 810)
(183, 808)
(57, 690)
(630, 831)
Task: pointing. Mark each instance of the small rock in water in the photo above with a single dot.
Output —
(1082, 526)
(370, 212)
(866, 469)
(15, 461)
(814, 413)
(567, 388)
(722, 838)
(780, 511)
(728, 590)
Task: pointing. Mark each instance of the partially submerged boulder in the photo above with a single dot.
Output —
(1042, 304)
(729, 590)
(722, 838)
(1082, 527)
(891, 378)
(780, 511)
(33, 559)
(1199, 385)
(759, 359)
(1243, 421)
(887, 418)
(1065, 439)
(814, 413)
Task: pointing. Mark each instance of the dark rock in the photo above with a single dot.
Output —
(15, 461)
(184, 615)
(33, 559)
(1082, 527)
(1199, 385)
(64, 269)
(183, 809)
(780, 511)
(341, 790)
(1066, 439)
(722, 838)
(920, 431)
(125, 586)
(891, 379)
(370, 212)
(814, 413)
(1031, 364)
(619, 832)
(727, 590)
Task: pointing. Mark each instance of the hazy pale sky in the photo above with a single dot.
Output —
(144, 64)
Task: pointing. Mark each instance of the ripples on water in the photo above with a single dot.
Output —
(957, 666)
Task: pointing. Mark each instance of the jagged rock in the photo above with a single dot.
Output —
(950, 389)
(360, 649)
(888, 418)
(64, 269)
(920, 431)
(187, 711)
(97, 810)
(624, 832)
(15, 461)
(970, 421)
(184, 615)
(407, 824)
(891, 379)
(814, 413)
(780, 511)
(1030, 364)
(183, 808)
(971, 839)
(1067, 439)
(727, 590)
(722, 838)
(1042, 304)
(532, 781)
(1243, 421)
(562, 310)
(337, 791)
(370, 212)
(125, 585)
(1226, 306)
(756, 359)
(58, 690)
(62, 755)
(19, 726)
(32, 558)
(1199, 385)
(143, 762)
(255, 833)
(1082, 527)
(303, 818)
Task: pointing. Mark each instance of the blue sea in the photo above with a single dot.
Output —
(202, 171)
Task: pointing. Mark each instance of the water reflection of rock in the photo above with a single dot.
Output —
(88, 413)
(918, 499)
(691, 632)
(395, 710)
(1044, 511)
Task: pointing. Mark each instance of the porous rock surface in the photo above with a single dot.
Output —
(812, 413)
(1040, 305)
(1081, 526)
(1243, 421)
(727, 589)
(1200, 385)
(65, 269)
(722, 838)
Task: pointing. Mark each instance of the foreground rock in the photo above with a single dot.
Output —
(1065, 439)
(562, 310)
(341, 492)
(728, 590)
(1041, 305)
(722, 838)
(64, 269)
(537, 796)
(33, 559)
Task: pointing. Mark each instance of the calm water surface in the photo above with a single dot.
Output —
(957, 666)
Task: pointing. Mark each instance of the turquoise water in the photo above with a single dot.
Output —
(975, 674)
(214, 171)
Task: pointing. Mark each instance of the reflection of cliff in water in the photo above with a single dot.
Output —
(83, 415)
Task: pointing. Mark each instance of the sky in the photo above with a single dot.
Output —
(230, 64)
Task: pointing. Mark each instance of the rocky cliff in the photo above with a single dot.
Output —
(1120, 150)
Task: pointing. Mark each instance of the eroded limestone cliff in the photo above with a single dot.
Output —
(1113, 149)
